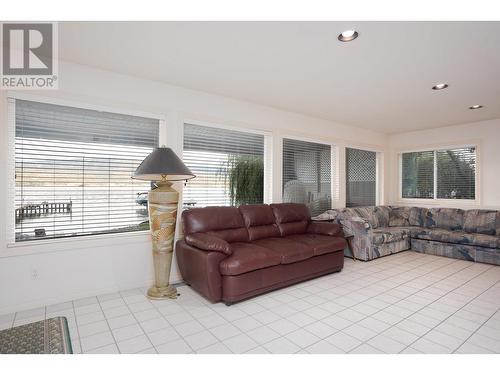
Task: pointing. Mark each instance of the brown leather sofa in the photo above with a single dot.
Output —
(230, 254)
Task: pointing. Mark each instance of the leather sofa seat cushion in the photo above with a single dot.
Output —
(259, 221)
(289, 251)
(320, 244)
(389, 234)
(292, 218)
(248, 257)
(458, 237)
(223, 222)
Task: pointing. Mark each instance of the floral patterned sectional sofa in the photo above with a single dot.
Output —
(382, 230)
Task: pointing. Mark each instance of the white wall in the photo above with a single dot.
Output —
(486, 134)
(79, 267)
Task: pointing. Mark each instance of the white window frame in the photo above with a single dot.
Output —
(379, 171)
(268, 150)
(31, 247)
(441, 201)
(336, 177)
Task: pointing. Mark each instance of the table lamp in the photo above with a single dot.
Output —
(162, 166)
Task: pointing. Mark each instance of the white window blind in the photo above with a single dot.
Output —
(456, 173)
(361, 177)
(73, 171)
(440, 174)
(307, 174)
(228, 164)
(418, 174)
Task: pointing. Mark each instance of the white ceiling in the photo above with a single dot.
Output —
(380, 81)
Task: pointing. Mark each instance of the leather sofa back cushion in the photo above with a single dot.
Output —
(260, 221)
(482, 221)
(292, 218)
(223, 222)
(445, 218)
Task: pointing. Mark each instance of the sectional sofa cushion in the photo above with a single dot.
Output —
(389, 234)
(399, 216)
(457, 237)
(377, 216)
(259, 221)
(482, 221)
(445, 218)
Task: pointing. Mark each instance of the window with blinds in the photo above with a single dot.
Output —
(73, 171)
(456, 173)
(228, 164)
(418, 175)
(361, 177)
(307, 174)
(440, 174)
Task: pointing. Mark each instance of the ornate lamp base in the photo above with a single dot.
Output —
(162, 203)
(162, 293)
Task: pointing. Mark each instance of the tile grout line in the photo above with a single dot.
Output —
(419, 290)
(441, 321)
(394, 303)
(346, 308)
(77, 326)
(196, 319)
(107, 323)
(391, 304)
(478, 328)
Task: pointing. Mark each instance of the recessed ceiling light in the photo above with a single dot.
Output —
(440, 86)
(348, 35)
(476, 106)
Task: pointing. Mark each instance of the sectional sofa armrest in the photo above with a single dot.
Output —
(208, 242)
(356, 226)
(325, 228)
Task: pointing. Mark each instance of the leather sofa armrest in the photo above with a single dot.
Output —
(200, 269)
(208, 242)
(324, 228)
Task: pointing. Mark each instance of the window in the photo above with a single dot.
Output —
(361, 177)
(418, 174)
(439, 174)
(228, 164)
(73, 171)
(307, 174)
(456, 173)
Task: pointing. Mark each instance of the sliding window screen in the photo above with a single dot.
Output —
(456, 173)
(228, 164)
(418, 175)
(307, 174)
(361, 178)
(73, 171)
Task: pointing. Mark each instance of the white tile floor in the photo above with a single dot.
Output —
(403, 303)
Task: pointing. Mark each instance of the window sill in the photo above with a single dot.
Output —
(460, 203)
(75, 243)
